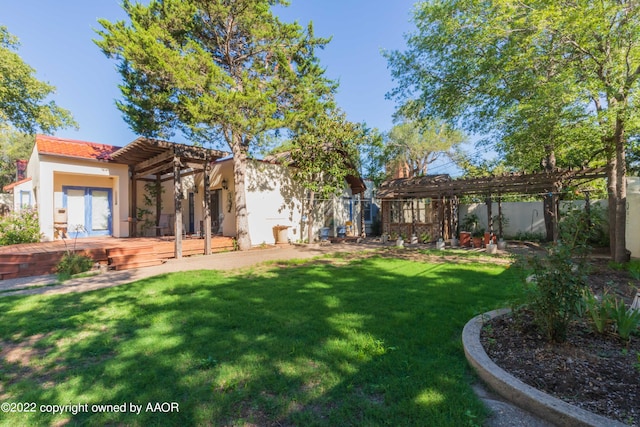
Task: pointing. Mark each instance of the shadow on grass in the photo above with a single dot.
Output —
(373, 342)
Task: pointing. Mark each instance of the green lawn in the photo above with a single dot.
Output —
(374, 341)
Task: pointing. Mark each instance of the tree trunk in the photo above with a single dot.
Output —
(206, 208)
(620, 249)
(613, 207)
(158, 194)
(239, 175)
(310, 218)
(548, 200)
(548, 209)
(177, 196)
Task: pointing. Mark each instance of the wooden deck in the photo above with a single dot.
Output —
(34, 259)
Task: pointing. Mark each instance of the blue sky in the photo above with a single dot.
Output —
(56, 40)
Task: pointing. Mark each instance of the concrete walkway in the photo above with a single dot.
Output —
(504, 413)
(46, 285)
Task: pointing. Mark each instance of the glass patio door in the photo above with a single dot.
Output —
(88, 211)
(75, 212)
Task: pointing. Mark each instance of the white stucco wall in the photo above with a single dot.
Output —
(525, 217)
(633, 216)
(273, 199)
(23, 196)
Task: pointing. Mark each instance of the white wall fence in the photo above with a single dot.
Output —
(633, 216)
(520, 217)
(528, 217)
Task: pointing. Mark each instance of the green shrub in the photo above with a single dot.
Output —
(73, 263)
(634, 269)
(560, 279)
(526, 236)
(555, 293)
(20, 227)
(579, 228)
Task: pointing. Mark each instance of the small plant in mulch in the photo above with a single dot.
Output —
(555, 290)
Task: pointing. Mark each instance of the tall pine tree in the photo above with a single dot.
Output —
(218, 70)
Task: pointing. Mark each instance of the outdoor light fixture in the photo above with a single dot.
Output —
(225, 184)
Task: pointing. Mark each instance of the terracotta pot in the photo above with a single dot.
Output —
(465, 239)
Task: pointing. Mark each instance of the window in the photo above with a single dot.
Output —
(25, 199)
(408, 211)
(395, 211)
(366, 210)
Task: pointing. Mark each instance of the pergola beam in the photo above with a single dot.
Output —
(517, 183)
(435, 186)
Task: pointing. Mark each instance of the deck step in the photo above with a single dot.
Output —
(138, 264)
(8, 268)
(33, 261)
(122, 251)
(133, 257)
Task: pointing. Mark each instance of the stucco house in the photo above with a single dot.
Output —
(74, 182)
(90, 189)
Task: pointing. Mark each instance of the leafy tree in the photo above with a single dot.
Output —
(566, 68)
(323, 153)
(23, 98)
(633, 156)
(13, 146)
(373, 158)
(218, 71)
(412, 146)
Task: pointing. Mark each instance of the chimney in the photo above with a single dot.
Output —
(21, 169)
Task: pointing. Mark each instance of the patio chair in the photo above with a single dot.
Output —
(166, 224)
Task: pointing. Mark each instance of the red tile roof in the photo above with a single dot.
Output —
(11, 186)
(73, 148)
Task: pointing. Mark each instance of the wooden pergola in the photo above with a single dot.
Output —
(158, 161)
(447, 191)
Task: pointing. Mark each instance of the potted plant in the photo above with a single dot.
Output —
(477, 237)
(469, 223)
(468, 227)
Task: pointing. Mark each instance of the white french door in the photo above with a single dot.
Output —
(88, 211)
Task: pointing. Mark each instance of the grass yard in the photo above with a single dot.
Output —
(370, 341)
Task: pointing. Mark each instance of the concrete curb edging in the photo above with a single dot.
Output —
(512, 389)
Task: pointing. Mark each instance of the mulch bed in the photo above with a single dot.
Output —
(599, 373)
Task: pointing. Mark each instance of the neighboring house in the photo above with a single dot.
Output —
(21, 194)
(88, 189)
